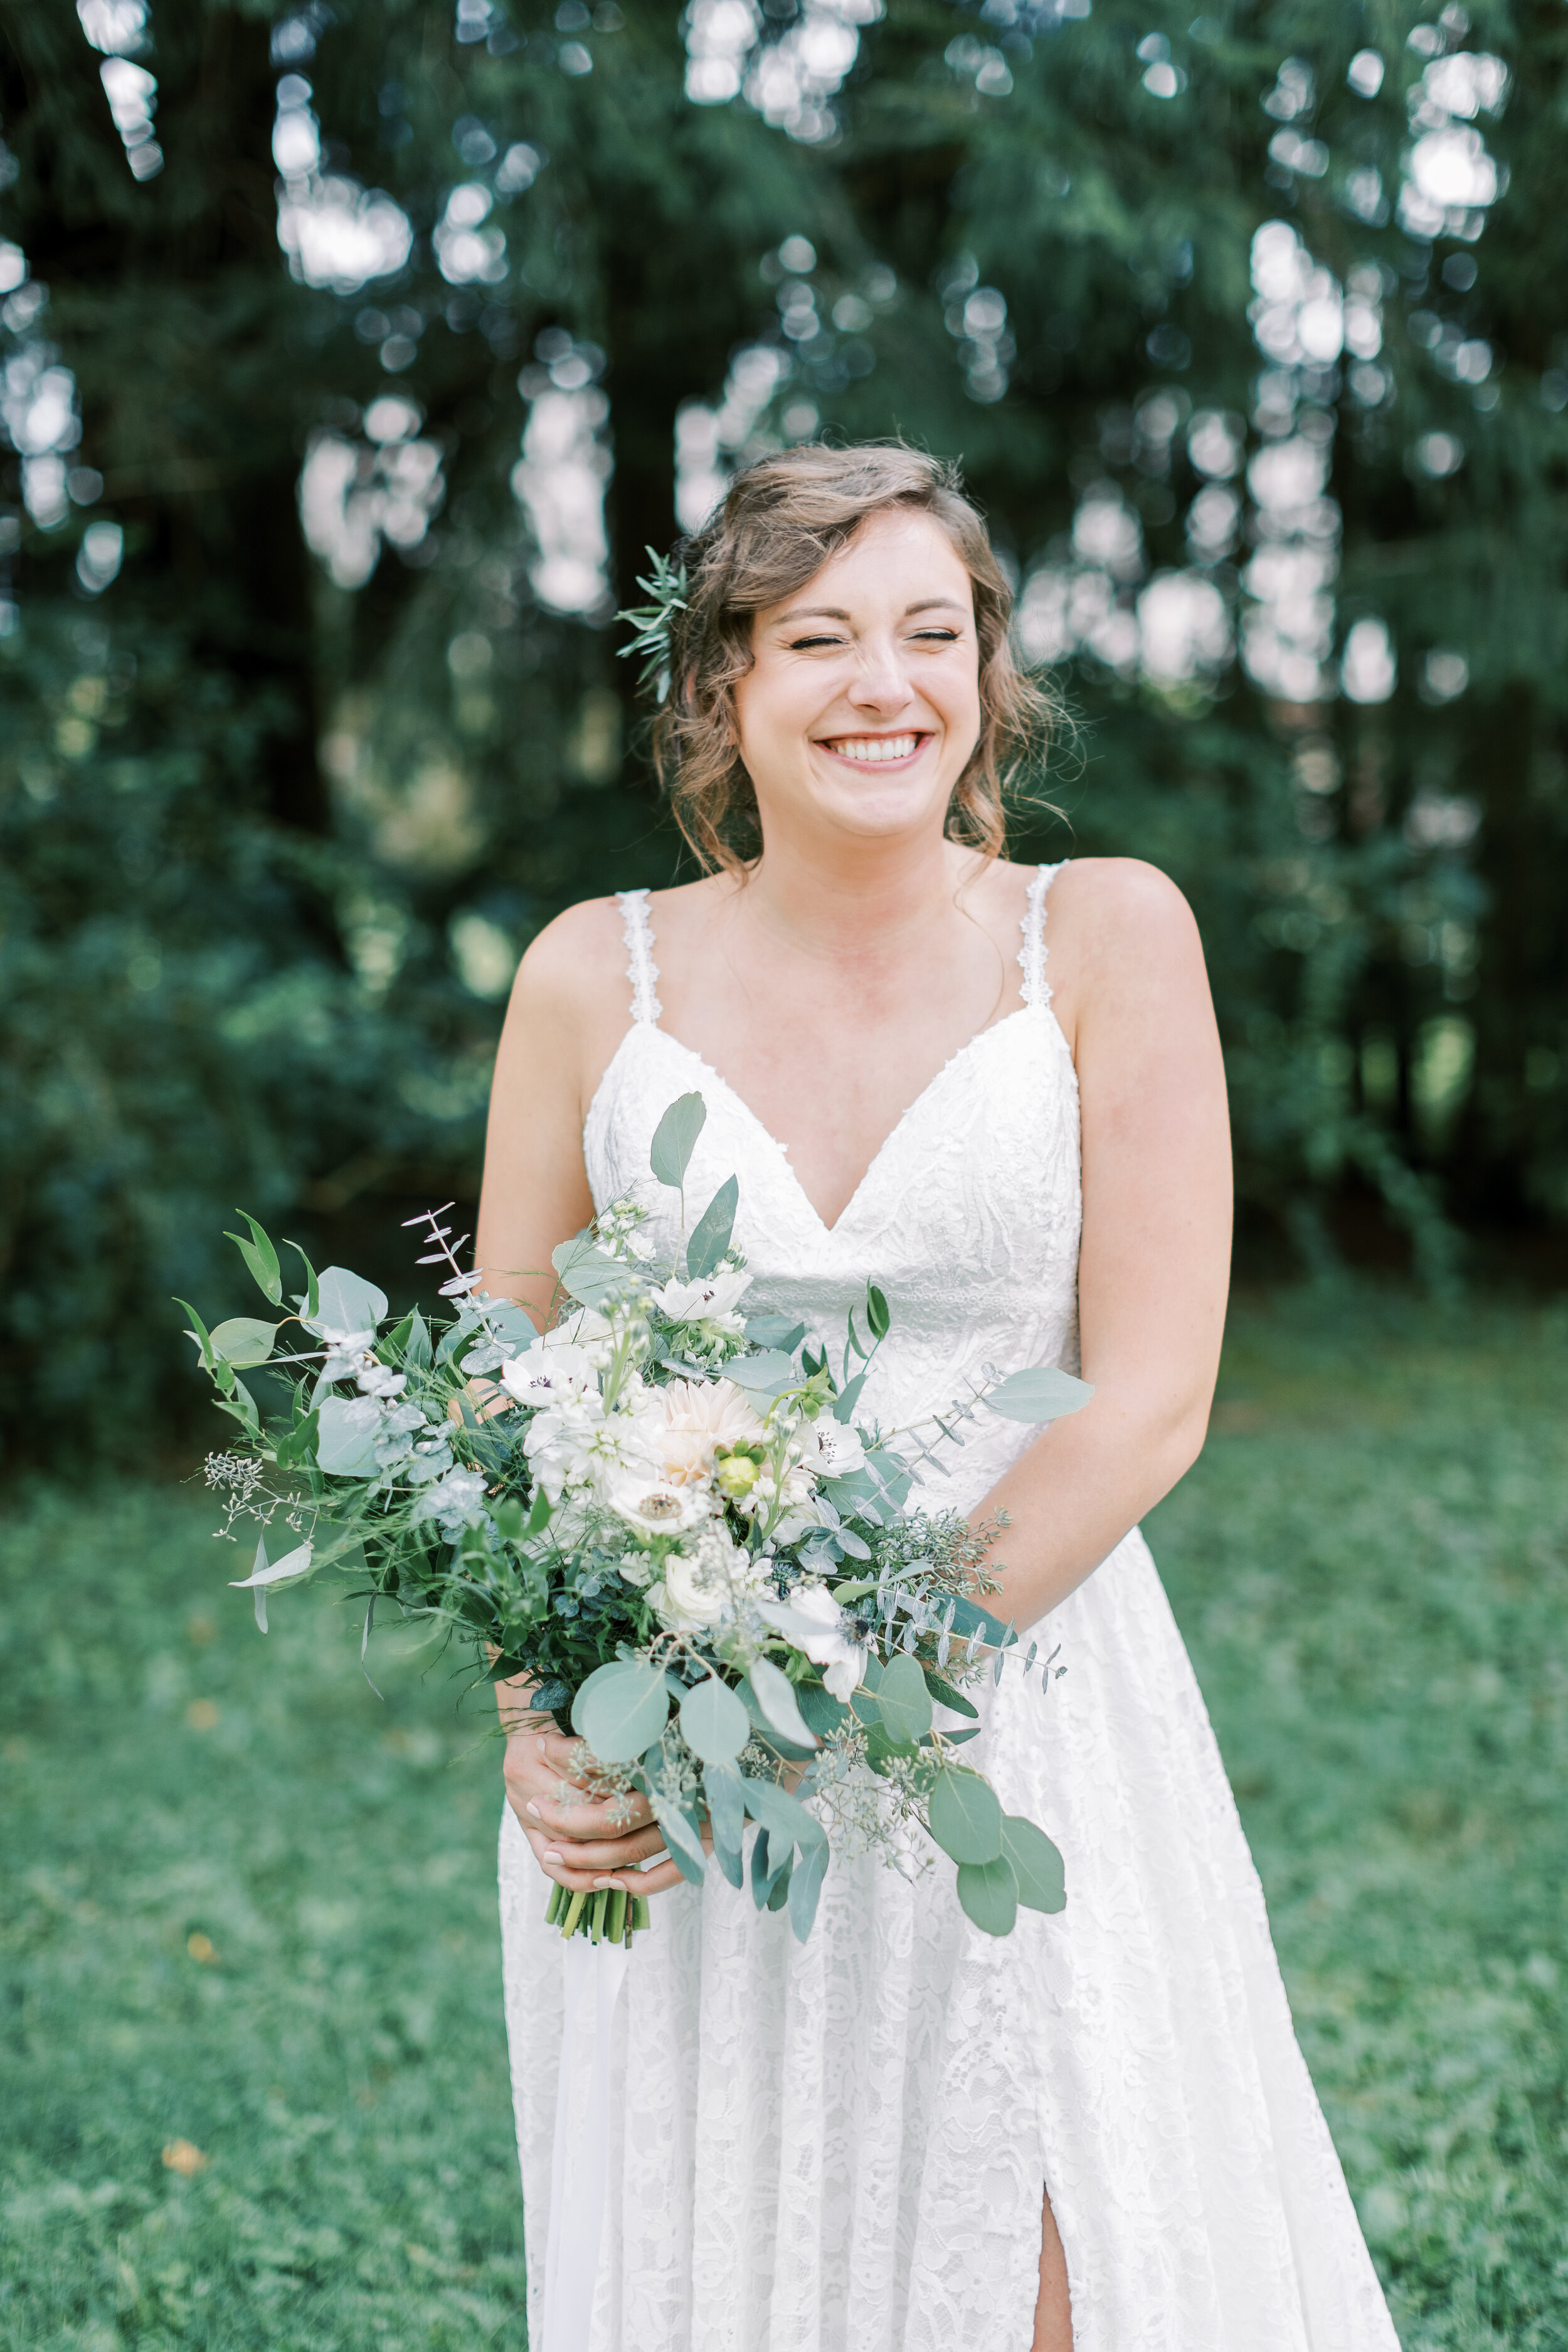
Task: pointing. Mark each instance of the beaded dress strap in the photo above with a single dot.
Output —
(1032, 954)
(641, 969)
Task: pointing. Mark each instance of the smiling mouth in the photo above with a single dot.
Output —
(874, 750)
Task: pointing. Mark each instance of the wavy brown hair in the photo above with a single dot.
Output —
(780, 522)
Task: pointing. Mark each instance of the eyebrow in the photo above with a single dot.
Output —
(837, 613)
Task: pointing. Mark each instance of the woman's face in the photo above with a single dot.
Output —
(862, 705)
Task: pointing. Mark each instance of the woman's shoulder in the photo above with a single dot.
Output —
(576, 968)
(1118, 894)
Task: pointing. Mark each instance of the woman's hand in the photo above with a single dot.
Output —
(581, 1842)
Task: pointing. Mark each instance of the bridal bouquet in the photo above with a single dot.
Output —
(665, 1516)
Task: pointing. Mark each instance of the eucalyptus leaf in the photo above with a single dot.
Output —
(710, 1233)
(966, 1816)
(287, 1570)
(804, 1887)
(989, 1894)
(775, 1695)
(762, 1875)
(345, 1436)
(308, 1304)
(778, 1894)
(903, 1701)
(243, 1341)
(1043, 1392)
(767, 1329)
(714, 1722)
(682, 1836)
(727, 1815)
(764, 1375)
(416, 1350)
(346, 1302)
(946, 1696)
(623, 1708)
(261, 1257)
(588, 1273)
(1036, 1864)
(824, 1714)
(675, 1140)
(849, 1397)
(969, 1618)
(782, 1815)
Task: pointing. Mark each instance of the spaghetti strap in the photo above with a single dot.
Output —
(641, 969)
(1032, 954)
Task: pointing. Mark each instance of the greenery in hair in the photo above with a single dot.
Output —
(666, 592)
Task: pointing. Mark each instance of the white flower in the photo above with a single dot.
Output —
(833, 1449)
(656, 1508)
(686, 1421)
(550, 1370)
(575, 1441)
(702, 1582)
(715, 1296)
(831, 1648)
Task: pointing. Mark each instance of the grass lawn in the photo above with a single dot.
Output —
(249, 1907)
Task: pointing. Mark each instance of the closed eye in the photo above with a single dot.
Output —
(805, 644)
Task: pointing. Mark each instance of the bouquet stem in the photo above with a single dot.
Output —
(608, 1915)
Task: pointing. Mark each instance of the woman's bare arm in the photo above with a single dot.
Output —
(567, 1011)
(1155, 1261)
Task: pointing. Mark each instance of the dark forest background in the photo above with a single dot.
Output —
(329, 335)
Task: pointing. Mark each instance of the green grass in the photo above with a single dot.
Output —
(1371, 1565)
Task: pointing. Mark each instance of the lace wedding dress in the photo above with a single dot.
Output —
(841, 2146)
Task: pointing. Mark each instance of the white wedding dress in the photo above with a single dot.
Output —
(841, 2146)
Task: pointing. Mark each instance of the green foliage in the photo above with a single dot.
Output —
(271, 841)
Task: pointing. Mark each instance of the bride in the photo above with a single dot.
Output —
(998, 1093)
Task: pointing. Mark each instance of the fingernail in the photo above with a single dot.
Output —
(610, 1882)
(532, 1808)
(551, 1855)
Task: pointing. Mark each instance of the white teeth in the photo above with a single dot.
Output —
(873, 749)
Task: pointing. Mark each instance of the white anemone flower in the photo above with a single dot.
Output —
(655, 1507)
(686, 1422)
(833, 1449)
(707, 1301)
(844, 1659)
(545, 1371)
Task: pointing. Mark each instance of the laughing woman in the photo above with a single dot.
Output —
(997, 1092)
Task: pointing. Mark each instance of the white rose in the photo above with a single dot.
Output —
(701, 1582)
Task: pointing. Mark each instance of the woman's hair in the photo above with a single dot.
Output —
(781, 521)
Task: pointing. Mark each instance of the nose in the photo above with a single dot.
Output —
(880, 684)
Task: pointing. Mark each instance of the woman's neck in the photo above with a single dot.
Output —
(836, 901)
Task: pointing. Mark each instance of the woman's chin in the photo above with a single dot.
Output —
(883, 808)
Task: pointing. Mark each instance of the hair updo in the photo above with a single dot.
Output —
(779, 523)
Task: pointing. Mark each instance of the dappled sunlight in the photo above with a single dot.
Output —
(354, 493)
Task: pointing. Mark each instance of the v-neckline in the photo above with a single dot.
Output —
(738, 1099)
